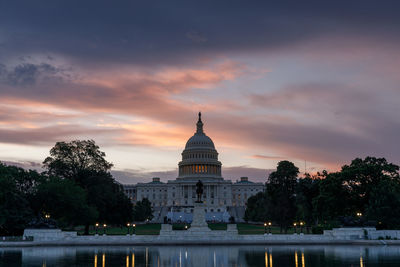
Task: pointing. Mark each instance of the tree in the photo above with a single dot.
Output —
(281, 186)
(363, 176)
(306, 191)
(16, 187)
(104, 193)
(384, 204)
(15, 212)
(84, 163)
(64, 201)
(68, 160)
(257, 208)
(334, 199)
(142, 210)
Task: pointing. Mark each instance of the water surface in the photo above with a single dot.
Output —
(182, 256)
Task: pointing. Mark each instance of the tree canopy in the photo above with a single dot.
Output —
(367, 191)
(82, 162)
(69, 159)
(143, 210)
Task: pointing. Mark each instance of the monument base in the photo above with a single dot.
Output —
(199, 223)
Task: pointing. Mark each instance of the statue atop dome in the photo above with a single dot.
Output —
(199, 125)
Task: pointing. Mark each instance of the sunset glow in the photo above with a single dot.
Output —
(270, 86)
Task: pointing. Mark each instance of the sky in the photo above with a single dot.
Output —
(313, 82)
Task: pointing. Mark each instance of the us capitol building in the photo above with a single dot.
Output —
(174, 200)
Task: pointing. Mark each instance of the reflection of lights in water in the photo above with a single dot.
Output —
(147, 256)
(95, 260)
(44, 264)
(186, 254)
(104, 260)
(127, 260)
(270, 259)
(303, 261)
(215, 260)
(361, 262)
(266, 259)
(180, 258)
(295, 259)
(133, 259)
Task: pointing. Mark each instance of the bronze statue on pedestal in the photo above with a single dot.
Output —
(199, 191)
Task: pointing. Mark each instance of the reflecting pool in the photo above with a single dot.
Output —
(266, 256)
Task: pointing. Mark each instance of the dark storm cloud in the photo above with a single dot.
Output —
(27, 74)
(165, 32)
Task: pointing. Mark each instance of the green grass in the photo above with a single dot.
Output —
(258, 229)
(154, 229)
(140, 229)
(217, 226)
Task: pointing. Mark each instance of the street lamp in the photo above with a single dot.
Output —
(96, 226)
(265, 228)
(186, 227)
(47, 216)
(104, 228)
(301, 227)
(129, 229)
(134, 229)
(359, 214)
(295, 227)
(269, 224)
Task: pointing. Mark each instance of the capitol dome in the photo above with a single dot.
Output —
(200, 158)
(199, 139)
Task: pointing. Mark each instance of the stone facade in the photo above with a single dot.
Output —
(199, 162)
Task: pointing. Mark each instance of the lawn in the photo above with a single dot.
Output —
(140, 229)
(154, 229)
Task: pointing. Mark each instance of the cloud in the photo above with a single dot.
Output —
(49, 135)
(196, 37)
(132, 176)
(266, 157)
(132, 91)
(139, 72)
(28, 74)
(254, 174)
(28, 165)
(140, 33)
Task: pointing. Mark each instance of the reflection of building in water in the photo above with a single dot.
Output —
(175, 199)
(188, 256)
(199, 256)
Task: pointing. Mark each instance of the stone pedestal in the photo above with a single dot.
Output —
(199, 223)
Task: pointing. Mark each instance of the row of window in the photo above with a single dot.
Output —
(200, 156)
(200, 168)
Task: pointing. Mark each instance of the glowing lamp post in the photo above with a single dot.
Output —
(134, 229)
(104, 228)
(301, 227)
(128, 226)
(295, 228)
(96, 227)
(269, 226)
(265, 228)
